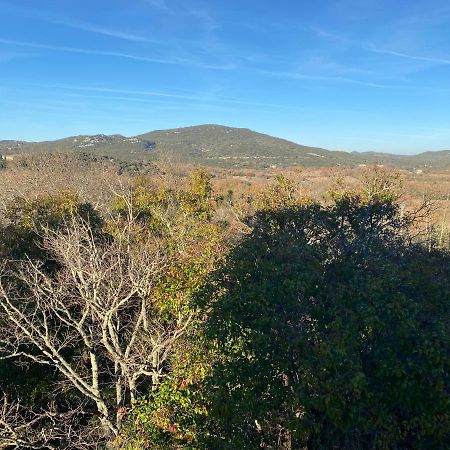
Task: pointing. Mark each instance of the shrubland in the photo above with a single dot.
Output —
(190, 312)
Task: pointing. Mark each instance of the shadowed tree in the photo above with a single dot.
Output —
(332, 326)
(326, 327)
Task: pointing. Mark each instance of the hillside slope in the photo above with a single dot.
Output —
(220, 146)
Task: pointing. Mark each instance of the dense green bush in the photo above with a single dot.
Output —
(334, 330)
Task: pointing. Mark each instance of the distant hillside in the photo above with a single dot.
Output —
(220, 146)
(437, 159)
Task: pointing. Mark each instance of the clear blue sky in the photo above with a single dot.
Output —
(347, 74)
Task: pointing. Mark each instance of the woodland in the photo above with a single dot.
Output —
(167, 306)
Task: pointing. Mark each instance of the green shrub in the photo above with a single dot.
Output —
(326, 327)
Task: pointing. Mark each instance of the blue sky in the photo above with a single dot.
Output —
(348, 74)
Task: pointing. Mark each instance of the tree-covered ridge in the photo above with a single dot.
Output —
(181, 317)
(221, 146)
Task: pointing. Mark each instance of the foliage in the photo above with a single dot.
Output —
(25, 218)
(195, 245)
(196, 200)
(334, 331)
(324, 325)
(219, 146)
(327, 327)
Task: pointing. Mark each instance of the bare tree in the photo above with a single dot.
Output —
(22, 427)
(93, 318)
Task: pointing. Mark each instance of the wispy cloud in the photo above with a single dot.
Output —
(82, 108)
(329, 79)
(159, 4)
(204, 51)
(383, 51)
(11, 56)
(374, 48)
(330, 35)
(87, 51)
(57, 19)
(204, 17)
(320, 64)
(93, 28)
(168, 42)
(196, 97)
(207, 22)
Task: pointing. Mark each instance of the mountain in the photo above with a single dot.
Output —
(436, 159)
(221, 146)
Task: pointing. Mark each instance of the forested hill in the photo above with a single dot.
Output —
(217, 144)
(221, 146)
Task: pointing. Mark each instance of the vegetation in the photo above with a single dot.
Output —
(180, 317)
(220, 146)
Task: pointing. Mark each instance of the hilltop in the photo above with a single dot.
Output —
(219, 145)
